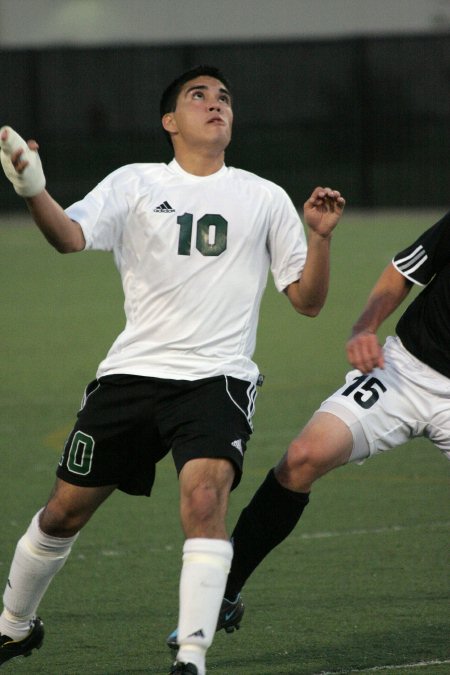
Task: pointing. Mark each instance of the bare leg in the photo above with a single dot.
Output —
(70, 507)
(324, 444)
(204, 488)
(43, 550)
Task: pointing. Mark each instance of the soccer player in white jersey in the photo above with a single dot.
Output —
(395, 393)
(193, 241)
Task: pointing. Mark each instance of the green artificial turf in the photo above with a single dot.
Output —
(361, 584)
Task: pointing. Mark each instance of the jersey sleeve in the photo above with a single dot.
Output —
(103, 212)
(420, 261)
(286, 241)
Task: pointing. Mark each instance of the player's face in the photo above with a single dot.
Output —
(203, 114)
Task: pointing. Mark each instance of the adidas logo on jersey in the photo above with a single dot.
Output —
(238, 445)
(164, 208)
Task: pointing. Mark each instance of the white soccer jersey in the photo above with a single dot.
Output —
(193, 253)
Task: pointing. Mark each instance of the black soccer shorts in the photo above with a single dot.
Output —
(128, 423)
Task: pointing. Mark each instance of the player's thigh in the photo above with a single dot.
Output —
(381, 409)
(325, 440)
(325, 443)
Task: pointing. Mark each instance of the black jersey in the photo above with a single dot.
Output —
(424, 328)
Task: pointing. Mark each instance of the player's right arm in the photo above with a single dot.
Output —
(22, 166)
(363, 348)
(60, 231)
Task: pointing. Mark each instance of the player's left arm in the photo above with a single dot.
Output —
(321, 212)
(363, 348)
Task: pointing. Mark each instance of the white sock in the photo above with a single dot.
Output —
(38, 557)
(206, 563)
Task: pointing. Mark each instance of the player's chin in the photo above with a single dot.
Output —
(220, 141)
(224, 135)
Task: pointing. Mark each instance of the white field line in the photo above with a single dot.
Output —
(391, 668)
(305, 536)
(374, 530)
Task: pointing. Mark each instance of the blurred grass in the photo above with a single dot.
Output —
(361, 583)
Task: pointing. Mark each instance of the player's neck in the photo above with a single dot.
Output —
(200, 163)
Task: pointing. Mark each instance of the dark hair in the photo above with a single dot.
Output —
(170, 94)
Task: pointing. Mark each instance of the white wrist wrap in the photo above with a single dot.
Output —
(31, 181)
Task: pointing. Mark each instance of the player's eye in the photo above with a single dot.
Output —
(198, 94)
(225, 98)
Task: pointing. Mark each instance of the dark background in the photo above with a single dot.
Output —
(369, 116)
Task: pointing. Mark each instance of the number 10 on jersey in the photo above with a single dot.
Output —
(211, 236)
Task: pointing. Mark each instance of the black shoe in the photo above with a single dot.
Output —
(179, 668)
(9, 649)
(230, 616)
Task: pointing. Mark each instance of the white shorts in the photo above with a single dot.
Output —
(388, 406)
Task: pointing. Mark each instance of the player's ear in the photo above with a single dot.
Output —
(168, 122)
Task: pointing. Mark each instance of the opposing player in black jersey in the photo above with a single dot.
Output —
(397, 392)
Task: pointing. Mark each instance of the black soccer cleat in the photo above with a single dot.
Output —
(179, 668)
(230, 617)
(9, 649)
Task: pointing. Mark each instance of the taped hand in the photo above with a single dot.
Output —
(23, 169)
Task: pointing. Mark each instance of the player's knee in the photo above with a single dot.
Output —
(204, 489)
(300, 453)
(59, 520)
(203, 512)
(203, 502)
(301, 465)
